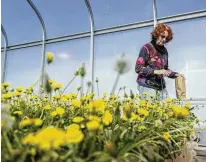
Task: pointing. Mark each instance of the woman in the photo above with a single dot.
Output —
(152, 63)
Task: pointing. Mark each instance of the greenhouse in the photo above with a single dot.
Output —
(72, 74)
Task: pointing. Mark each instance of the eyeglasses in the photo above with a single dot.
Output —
(162, 36)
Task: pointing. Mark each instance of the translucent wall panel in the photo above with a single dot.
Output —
(2, 62)
(118, 12)
(2, 40)
(64, 17)
(187, 56)
(68, 56)
(107, 47)
(173, 7)
(23, 66)
(20, 22)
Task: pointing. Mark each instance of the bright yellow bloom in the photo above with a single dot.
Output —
(145, 93)
(29, 139)
(135, 116)
(74, 136)
(57, 97)
(64, 99)
(60, 111)
(38, 122)
(18, 112)
(56, 86)
(143, 103)
(166, 136)
(19, 89)
(17, 93)
(188, 104)
(25, 122)
(76, 103)
(50, 57)
(93, 125)
(168, 100)
(107, 118)
(93, 117)
(143, 111)
(51, 81)
(5, 84)
(49, 138)
(78, 119)
(73, 126)
(53, 113)
(97, 105)
(7, 95)
(47, 107)
(180, 111)
(141, 128)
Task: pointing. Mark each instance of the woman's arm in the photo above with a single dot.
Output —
(140, 67)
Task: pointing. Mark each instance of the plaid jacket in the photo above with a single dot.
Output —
(151, 59)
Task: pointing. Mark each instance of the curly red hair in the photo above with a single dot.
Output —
(159, 29)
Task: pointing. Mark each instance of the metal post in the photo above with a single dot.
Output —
(43, 38)
(5, 53)
(91, 19)
(154, 12)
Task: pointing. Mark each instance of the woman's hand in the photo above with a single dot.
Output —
(179, 75)
(162, 72)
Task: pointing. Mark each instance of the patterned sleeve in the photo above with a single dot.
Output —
(140, 67)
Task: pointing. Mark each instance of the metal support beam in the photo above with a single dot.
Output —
(5, 54)
(91, 20)
(169, 19)
(43, 42)
(154, 6)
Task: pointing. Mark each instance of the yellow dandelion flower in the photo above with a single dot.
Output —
(64, 99)
(57, 97)
(78, 119)
(56, 86)
(18, 112)
(51, 81)
(53, 113)
(168, 100)
(107, 118)
(143, 111)
(25, 122)
(143, 103)
(188, 104)
(92, 125)
(166, 136)
(180, 111)
(49, 138)
(135, 116)
(38, 122)
(93, 117)
(17, 93)
(47, 107)
(29, 139)
(19, 89)
(141, 128)
(74, 136)
(73, 126)
(76, 103)
(50, 57)
(5, 84)
(7, 96)
(97, 105)
(60, 111)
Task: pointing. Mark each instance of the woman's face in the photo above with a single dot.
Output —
(161, 40)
